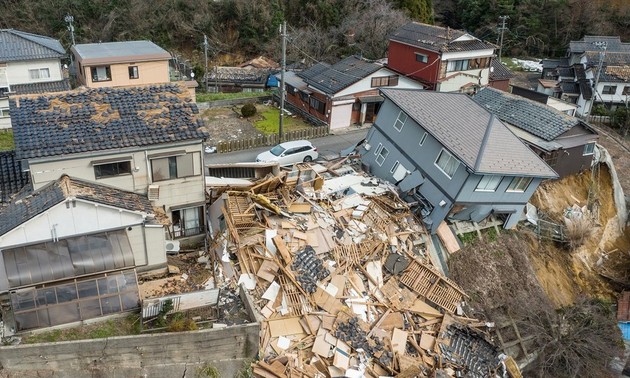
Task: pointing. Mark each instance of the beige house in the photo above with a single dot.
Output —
(146, 140)
(117, 64)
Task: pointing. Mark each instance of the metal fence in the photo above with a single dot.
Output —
(272, 139)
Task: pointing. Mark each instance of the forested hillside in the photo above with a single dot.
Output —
(319, 29)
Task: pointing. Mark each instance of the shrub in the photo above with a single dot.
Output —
(579, 230)
(248, 110)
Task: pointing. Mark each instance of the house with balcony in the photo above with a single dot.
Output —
(71, 250)
(145, 140)
(451, 157)
(441, 58)
(29, 63)
(344, 93)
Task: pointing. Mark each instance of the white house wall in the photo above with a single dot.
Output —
(458, 55)
(455, 83)
(365, 84)
(5, 122)
(153, 237)
(17, 72)
(340, 116)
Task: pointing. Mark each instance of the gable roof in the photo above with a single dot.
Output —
(538, 119)
(34, 203)
(471, 133)
(12, 176)
(437, 38)
(119, 52)
(96, 119)
(17, 45)
(592, 43)
(498, 71)
(239, 75)
(332, 79)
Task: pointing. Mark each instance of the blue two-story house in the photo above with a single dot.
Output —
(452, 157)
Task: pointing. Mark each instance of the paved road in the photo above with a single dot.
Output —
(328, 147)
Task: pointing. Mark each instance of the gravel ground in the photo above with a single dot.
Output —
(225, 124)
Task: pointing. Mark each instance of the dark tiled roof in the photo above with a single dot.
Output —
(12, 177)
(530, 94)
(535, 118)
(45, 87)
(16, 45)
(585, 89)
(580, 74)
(96, 119)
(239, 75)
(436, 38)
(332, 79)
(571, 87)
(564, 72)
(589, 43)
(553, 63)
(470, 132)
(610, 59)
(499, 71)
(33, 203)
(616, 74)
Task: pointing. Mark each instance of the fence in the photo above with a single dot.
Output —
(272, 139)
(232, 102)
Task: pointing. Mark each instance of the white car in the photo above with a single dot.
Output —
(288, 153)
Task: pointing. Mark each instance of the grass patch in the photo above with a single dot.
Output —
(129, 325)
(205, 97)
(269, 121)
(6, 141)
(511, 65)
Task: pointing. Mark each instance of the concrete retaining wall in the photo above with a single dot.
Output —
(236, 101)
(180, 354)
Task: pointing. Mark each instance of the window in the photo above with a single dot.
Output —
(133, 72)
(112, 169)
(290, 89)
(424, 137)
(609, 89)
(626, 91)
(101, 73)
(319, 106)
(400, 121)
(378, 149)
(172, 167)
(589, 149)
(488, 183)
(447, 163)
(394, 167)
(422, 58)
(385, 81)
(187, 222)
(304, 96)
(519, 184)
(40, 73)
(381, 156)
(4, 113)
(457, 65)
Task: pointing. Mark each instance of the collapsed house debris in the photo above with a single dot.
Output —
(341, 273)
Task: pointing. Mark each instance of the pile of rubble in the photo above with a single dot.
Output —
(341, 275)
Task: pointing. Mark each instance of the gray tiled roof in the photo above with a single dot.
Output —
(44, 87)
(610, 59)
(535, 118)
(470, 132)
(436, 38)
(568, 86)
(332, 79)
(96, 119)
(588, 43)
(500, 71)
(17, 45)
(31, 204)
(12, 177)
(119, 51)
(616, 74)
(585, 88)
(553, 63)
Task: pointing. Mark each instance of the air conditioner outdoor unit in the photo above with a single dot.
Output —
(153, 193)
(172, 247)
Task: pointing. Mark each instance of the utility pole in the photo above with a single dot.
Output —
(205, 52)
(502, 29)
(602, 55)
(283, 33)
(69, 19)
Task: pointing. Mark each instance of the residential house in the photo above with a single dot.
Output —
(577, 74)
(500, 76)
(539, 96)
(344, 93)
(565, 142)
(12, 177)
(238, 79)
(29, 63)
(70, 251)
(452, 157)
(443, 59)
(146, 140)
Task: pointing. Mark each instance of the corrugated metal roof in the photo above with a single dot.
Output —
(332, 79)
(17, 45)
(119, 51)
(470, 132)
(436, 38)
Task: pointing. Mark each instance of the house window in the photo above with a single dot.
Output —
(304, 96)
(318, 105)
(400, 121)
(187, 222)
(382, 155)
(4, 113)
(488, 183)
(378, 149)
(133, 72)
(102, 73)
(385, 81)
(172, 167)
(112, 169)
(447, 163)
(609, 89)
(291, 89)
(422, 58)
(40, 73)
(589, 149)
(424, 137)
(457, 65)
(394, 167)
(519, 184)
(626, 90)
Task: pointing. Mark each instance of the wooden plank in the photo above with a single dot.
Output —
(448, 239)
(282, 248)
(301, 208)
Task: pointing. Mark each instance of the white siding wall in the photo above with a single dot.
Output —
(366, 83)
(5, 123)
(17, 72)
(455, 83)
